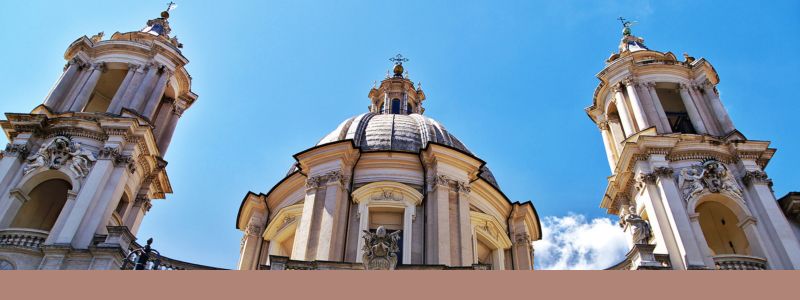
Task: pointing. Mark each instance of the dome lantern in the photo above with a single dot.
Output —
(396, 94)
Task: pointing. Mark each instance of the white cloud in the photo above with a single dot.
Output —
(572, 242)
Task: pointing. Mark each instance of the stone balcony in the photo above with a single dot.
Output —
(739, 262)
(23, 238)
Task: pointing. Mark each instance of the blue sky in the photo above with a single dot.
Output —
(509, 78)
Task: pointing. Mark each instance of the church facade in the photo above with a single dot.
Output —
(389, 188)
(391, 168)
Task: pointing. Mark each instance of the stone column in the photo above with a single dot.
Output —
(712, 126)
(662, 115)
(155, 98)
(169, 129)
(522, 251)
(141, 205)
(304, 234)
(251, 242)
(650, 107)
(145, 88)
(783, 237)
(622, 109)
(94, 182)
(84, 71)
(678, 217)
(758, 246)
(86, 91)
(328, 245)
(464, 224)
(700, 238)
(636, 104)
(691, 109)
(64, 83)
(134, 85)
(116, 101)
(62, 218)
(659, 218)
(498, 259)
(719, 110)
(438, 227)
(108, 197)
(611, 154)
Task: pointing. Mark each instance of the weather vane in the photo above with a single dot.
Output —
(398, 59)
(171, 5)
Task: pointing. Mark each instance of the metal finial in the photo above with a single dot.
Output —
(626, 25)
(398, 59)
(171, 5)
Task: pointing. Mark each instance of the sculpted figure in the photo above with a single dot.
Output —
(81, 158)
(38, 159)
(690, 182)
(640, 228)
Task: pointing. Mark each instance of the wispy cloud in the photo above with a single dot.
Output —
(572, 242)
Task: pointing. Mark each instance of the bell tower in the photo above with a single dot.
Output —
(82, 168)
(689, 188)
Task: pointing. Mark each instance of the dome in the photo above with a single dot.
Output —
(397, 132)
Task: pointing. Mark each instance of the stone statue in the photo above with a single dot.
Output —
(81, 158)
(640, 228)
(97, 37)
(380, 249)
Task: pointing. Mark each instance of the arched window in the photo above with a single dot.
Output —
(675, 110)
(45, 204)
(395, 106)
(721, 229)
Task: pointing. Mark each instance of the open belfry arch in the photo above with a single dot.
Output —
(83, 167)
(689, 188)
(390, 178)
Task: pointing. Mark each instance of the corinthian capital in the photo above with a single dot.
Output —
(603, 125)
(630, 80)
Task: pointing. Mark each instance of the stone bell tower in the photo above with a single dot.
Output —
(689, 188)
(82, 168)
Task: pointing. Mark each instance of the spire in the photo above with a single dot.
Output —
(630, 42)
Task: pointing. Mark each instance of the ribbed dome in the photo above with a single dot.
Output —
(397, 132)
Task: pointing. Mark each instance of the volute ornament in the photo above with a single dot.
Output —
(380, 249)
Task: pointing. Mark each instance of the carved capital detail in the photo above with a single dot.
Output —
(331, 177)
(603, 125)
(16, 150)
(755, 177)
(663, 171)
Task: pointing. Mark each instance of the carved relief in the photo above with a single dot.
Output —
(386, 195)
(253, 227)
(59, 152)
(16, 150)
(380, 249)
(709, 176)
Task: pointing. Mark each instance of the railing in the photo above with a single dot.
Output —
(739, 262)
(23, 238)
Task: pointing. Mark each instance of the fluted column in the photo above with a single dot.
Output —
(622, 108)
(88, 87)
(719, 110)
(611, 154)
(691, 109)
(662, 115)
(155, 98)
(438, 221)
(133, 86)
(137, 102)
(116, 101)
(464, 224)
(166, 136)
(650, 108)
(251, 242)
(304, 235)
(709, 119)
(64, 83)
(636, 104)
(328, 247)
